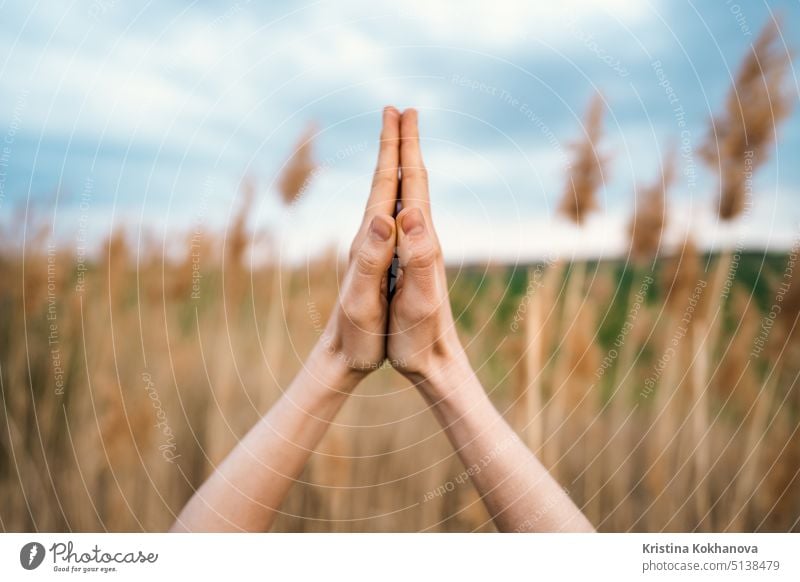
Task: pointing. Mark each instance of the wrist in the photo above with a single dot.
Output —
(446, 373)
(331, 369)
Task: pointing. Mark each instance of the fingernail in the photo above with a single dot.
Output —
(380, 229)
(413, 223)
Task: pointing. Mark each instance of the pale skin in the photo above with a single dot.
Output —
(246, 491)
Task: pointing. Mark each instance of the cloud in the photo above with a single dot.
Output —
(154, 99)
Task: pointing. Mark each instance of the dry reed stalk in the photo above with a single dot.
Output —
(533, 421)
(552, 279)
(755, 402)
(292, 184)
(221, 350)
(645, 231)
(585, 177)
(331, 473)
(739, 139)
(558, 405)
(236, 245)
(736, 387)
(777, 500)
(680, 278)
(697, 443)
(782, 347)
(575, 397)
(117, 258)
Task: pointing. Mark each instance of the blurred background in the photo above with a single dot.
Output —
(612, 183)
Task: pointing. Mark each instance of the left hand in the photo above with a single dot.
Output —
(422, 335)
(356, 332)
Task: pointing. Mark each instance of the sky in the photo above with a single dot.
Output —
(146, 116)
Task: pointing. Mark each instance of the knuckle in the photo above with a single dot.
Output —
(366, 262)
(424, 255)
(359, 312)
(354, 246)
(420, 310)
(416, 173)
(350, 308)
(383, 178)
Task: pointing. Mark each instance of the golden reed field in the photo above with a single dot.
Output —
(661, 390)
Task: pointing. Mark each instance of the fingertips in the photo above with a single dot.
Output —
(409, 124)
(390, 135)
(391, 118)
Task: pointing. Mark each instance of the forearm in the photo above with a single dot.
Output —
(517, 490)
(246, 490)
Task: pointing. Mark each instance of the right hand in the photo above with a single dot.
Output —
(355, 333)
(422, 337)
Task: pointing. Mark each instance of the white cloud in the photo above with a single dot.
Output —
(511, 23)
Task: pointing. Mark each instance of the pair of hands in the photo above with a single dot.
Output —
(415, 331)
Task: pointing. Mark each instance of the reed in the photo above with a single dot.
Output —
(123, 392)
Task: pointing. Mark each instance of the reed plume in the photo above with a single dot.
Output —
(649, 220)
(298, 170)
(292, 183)
(756, 105)
(587, 171)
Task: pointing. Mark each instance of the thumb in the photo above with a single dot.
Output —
(374, 256)
(418, 250)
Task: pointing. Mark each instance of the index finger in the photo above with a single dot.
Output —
(383, 195)
(414, 187)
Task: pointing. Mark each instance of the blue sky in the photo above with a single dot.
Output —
(161, 108)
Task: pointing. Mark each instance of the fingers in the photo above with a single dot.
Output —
(418, 251)
(414, 186)
(373, 257)
(385, 181)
